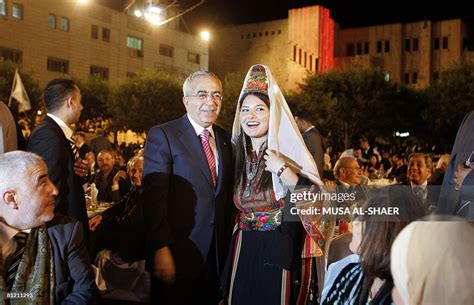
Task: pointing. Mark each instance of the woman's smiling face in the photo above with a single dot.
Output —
(254, 117)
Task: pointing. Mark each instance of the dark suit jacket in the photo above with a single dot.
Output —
(181, 207)
(83, 150)
(49, 141)
(314, 142)
(74, 279)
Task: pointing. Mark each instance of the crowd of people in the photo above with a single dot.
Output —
(202, 216)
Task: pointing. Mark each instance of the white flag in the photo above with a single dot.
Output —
(19, 93)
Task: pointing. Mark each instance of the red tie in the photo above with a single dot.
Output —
(205, 134)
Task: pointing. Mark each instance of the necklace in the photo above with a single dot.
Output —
(251, 169)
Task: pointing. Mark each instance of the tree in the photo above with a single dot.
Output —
(450, 98)
(231, 87)
(357, 101)
(95, 94)
(7, 72)
(147, 99)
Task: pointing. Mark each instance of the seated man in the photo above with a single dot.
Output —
(419, 171)
(104, 178)
(118, 227)
(34, 242)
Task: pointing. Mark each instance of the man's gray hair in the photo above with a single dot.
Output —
(132, 162)
(14, 167)
(187, 83)
(340, 163)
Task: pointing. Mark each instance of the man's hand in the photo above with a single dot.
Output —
(95, 222)
(81, 167)
(119, 175)
(163, 265)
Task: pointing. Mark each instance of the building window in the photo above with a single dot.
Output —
(366, 47)
(379, 46)
(94, 31)
(305, 60)
(58, 65)
(359, 48)
(3, 8)
(17, 11)
(350, 49)
(273, 32)
(266, 33)
(407, 45)
(254, 35)
(11, 55)
(64, 26)
(310, 62)
(445, 42)
(260, 34)
(415, 77)
(415, 44)
(166, 50)
(279, 31)
(134, 43)
(294, 53)
(100, 72)
(299, 56)
(436, 43)
(387, 46)
(194, 58)
(52, 21)
(106, 34)
(248, 36)
(406, 78)
(435, 76)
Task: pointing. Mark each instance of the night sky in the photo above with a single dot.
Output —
(348, 13)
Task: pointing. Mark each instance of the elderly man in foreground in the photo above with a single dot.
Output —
(35, 244)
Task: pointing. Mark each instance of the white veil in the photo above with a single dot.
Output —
(284, 138)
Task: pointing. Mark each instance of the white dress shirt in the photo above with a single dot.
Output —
(212, 140)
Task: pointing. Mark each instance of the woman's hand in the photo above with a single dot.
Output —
(273, 162)
(95, 222)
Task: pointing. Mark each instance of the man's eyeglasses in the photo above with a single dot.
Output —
(203, 96)
(356, 168)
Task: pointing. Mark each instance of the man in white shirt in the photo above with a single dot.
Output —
(52, 140)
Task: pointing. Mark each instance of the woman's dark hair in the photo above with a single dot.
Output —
(379, 232)
(266, 181)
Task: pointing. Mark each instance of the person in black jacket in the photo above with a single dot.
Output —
(53, 141)
(120, 227)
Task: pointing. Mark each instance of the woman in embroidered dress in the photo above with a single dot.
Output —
(265, 249)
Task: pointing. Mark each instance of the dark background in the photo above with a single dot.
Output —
(348, 13)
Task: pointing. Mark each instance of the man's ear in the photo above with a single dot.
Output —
(9, 198)
(69, 102)
(185, 101)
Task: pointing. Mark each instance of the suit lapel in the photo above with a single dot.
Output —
(221, 148)
(63, 136)
(192, 143)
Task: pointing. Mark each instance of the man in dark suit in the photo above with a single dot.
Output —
(52, 140)
(80, 141)
(188, 197)
(419, 171)
(312, 138)
(40, 242)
